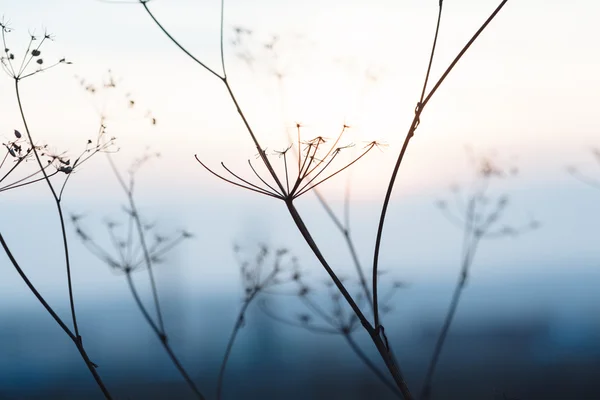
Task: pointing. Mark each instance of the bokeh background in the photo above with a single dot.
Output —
(526, 94)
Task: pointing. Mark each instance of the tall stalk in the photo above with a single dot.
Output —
(376, 331)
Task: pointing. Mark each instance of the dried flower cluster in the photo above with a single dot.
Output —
(314, 158)
(31, 57)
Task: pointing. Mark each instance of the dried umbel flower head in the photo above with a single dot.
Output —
(110, 89)
(17, 152)
(263, 268)
(478, 211)
(316, 163)
(325, 311)
(127, 253)
(20, 151)
(23, 64)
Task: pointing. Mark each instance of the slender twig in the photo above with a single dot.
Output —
(373, 333)
(363, 357)
(477, 224)
(239, 323)
(411, 131)
(162, 337)
(345, 329)
(467, 260)
(74, 337)
(138, 224)
(58, 208)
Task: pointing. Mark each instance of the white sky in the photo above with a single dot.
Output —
(529, 87)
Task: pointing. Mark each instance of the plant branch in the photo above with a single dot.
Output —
(162, 337)
(58, 207)
(75, 338)
(411, 131)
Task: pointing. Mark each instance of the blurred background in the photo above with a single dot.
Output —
(524, 96)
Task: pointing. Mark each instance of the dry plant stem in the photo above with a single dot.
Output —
(162, 337)
(376, 332)
(239, 322)
(159, 329)
(225, 81)
(345, 231)
(75, 338)
(411, 131)
(363, 357)
(467, 261)
(373, 333)
(58, 207)
(138, 224)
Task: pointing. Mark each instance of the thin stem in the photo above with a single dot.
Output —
(223, 79)
(463, 51)
(467, 261)
(221, 39)
(363, 357)
(435, 37)
(138, 224)
(373, 333)
(162, 337)
(75, 338)
(58, 207)
(190, 55)
(345, 230)
(411, 131)
(239, 322)
(143, 309)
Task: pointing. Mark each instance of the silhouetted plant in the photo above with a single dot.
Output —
(480, 215)
(260, 273)
(333, 318)
(280, 189)
(32, 63)
(247, 52)
(133, 250)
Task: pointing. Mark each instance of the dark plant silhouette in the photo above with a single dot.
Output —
(260, 273)
(133, 250)
(479, 214)
(333, 318)
(281, 189)
(248, 53)
(32, 63)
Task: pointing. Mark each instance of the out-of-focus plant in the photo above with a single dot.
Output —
(481, 215)
(137, 245)
(48, 164)
(584, 177)
(260, 273)
(333, 316)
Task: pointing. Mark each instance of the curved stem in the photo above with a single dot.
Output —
(411, 131)
(76, 339)
(58, 207)
(373, 333)
(239, 322)
(467, 261)
(162, 337)
(363, 357)
(128, 189)
(225, 81)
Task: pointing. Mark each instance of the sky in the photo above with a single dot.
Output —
(526, 95)
(527, 90)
